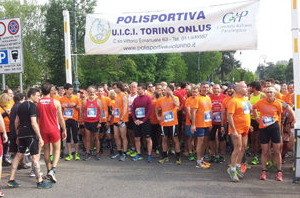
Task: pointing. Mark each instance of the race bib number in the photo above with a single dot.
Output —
(68, 113)
(130, 109)
(267, 121)
(103, 114)
(168, 116)
(140, 112)
(246, 107)
(217, 116)
(91, 112)
(117, 113)
(207, 116)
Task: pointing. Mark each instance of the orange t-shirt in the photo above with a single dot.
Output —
(69, 105)
(169, 111)
(188, 102)
(224, 106)
(240, 108)
(105, 103)
(80, 121)
(153, 119)
(269, 112)
(118, 110)
(203, 113)
(279, 95)
(288, 98)
(6, 119)
(56, 97)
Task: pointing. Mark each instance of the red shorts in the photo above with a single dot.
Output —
(50, 137)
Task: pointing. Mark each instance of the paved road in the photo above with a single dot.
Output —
(110, 178)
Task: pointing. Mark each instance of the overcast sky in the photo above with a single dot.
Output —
(274, 28)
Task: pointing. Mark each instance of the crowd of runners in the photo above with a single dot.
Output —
(201, 122)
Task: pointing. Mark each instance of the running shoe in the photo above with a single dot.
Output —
(178, 161)
(279, 176)
(137, 158)
(222, 159)
(243, 168)
(269, 165)
(13, 184)
(191, 157)
(69, 157)
(157, 151)
(239, 172)
(133, 154)
(86, 157)
(206, 163)
(44, 185)
(123, 157)
(233, 175)
(263, 175)
(163, 160)
(1, 193)
(115, 156)
(51, 176)
(31, 174)
(129, 152)
(149, 159)
(202, 165)
(51, 158)
(212, 159)
(77, 156)
(207, 156)
(217, 158)
(255, 160)
(97, 156)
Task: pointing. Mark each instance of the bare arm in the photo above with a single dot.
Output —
(124, 107)
(99, 103)
(193, 127)
(231, 123)
(60, 118)
(176, 102)
(36, 129)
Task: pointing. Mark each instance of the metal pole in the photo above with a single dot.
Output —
(76, 82)
(199, 67)
(3, 82)
(21, 82)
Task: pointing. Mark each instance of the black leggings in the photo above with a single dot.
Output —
(5, 145)
(72, 125)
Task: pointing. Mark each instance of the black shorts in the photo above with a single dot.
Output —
(271, 132)
(31, 143)
(81, 126)
(212, 133)
(91, 126)
(169, 131)
(143, 129)
(13, 147)
(155, 129)
(103, 128)
(130, 124)
(254, 124)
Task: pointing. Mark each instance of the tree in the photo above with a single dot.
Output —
(278, 73)
(289, 75)
(55, 35)
(228, 63)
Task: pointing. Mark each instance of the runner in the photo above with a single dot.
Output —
(238, 115)
(71, 106)
(28, 137)
(190, 136)
(5, 108)
(106, 116)
(216, 99)
(130, 125)
(141, 111)
(91, 113)
(80, 120)
(150, 89)
(255, 96)
(168, 105)
(112, 95)
(270, 109)
(49, 112)
(201, 123)
(120, 119)
(155, 128)
(5, 139)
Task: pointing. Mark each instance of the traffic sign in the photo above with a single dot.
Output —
(11, 46)
(13, 27)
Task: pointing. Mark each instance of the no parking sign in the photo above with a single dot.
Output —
(11, 46)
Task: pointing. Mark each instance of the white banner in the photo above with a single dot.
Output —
(212, 28)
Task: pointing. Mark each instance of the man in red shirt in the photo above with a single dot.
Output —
(216, 99)
(49, 111)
